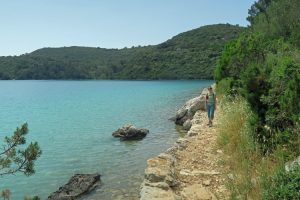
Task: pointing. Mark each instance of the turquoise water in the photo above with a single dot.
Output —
(73, 122)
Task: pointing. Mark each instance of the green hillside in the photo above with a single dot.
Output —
(189, 55)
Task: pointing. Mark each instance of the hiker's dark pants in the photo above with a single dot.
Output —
(210, 111)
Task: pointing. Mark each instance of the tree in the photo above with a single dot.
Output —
(257, 8)
(262, 65)
(14, 159)
(5, 194)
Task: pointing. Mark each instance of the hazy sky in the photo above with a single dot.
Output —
(27, 25)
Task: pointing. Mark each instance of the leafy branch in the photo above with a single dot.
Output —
(13, 159)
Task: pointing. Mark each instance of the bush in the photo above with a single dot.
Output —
(266, 73)
(224, 87)
(236, 138)
(238, 54)
(283, 185)
(260, 131)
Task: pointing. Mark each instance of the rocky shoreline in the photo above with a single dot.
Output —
(176, 174)
(181, 173)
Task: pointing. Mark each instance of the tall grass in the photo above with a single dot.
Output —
(235, 137)
(251, 172)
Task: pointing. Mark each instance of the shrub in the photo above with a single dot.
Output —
(283, 185)
(236, 138)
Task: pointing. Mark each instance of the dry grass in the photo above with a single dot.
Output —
(247, 166)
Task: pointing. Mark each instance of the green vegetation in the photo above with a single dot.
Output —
(283, 185)
(263, 66)
(189, 55)
(14, 159)
(259, 76)
(33, 198)
(235, 137)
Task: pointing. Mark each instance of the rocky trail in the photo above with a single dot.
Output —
(198, 168)
(191, 169)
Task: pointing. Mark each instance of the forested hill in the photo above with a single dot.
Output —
(189, 55)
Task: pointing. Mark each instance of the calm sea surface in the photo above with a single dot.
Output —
(73, 121)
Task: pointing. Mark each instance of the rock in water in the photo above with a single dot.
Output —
(129, 132)
(78, 185)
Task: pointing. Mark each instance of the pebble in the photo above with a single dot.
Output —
(219, 151)
(206, 182)
(230, 176)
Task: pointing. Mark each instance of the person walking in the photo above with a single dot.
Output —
(210, 105)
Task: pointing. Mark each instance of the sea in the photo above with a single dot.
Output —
(73, 121)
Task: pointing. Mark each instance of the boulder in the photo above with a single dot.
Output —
(179, 145)
(130, 132)
(157, 193)
(173, 119)
(292, 164)
(189, 109)
(78, 185)
(160, 177)
(161, 169)
(187, 124)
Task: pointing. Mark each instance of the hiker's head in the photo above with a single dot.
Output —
(210, 88)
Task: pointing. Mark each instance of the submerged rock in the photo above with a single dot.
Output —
(130, 132)
(78, 185)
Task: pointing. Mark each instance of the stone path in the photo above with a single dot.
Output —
(191, 169)
(198, 168)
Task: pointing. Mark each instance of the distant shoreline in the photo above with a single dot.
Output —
(106, 79)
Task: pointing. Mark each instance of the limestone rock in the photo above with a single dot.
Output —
(292, 164)
(219, 151)
(189, 109)
(161, 185)
(192, 133)
(159, 178)
(181, 143)
(187, 124)
(78, 185)
(160, 169)
(195, 130)
(156, 193)
(206, 182)
(196, 192)
(197, 172)
(130, 132)
(172, 150)
(230, 176)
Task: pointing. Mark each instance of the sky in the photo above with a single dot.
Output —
(27, 25)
